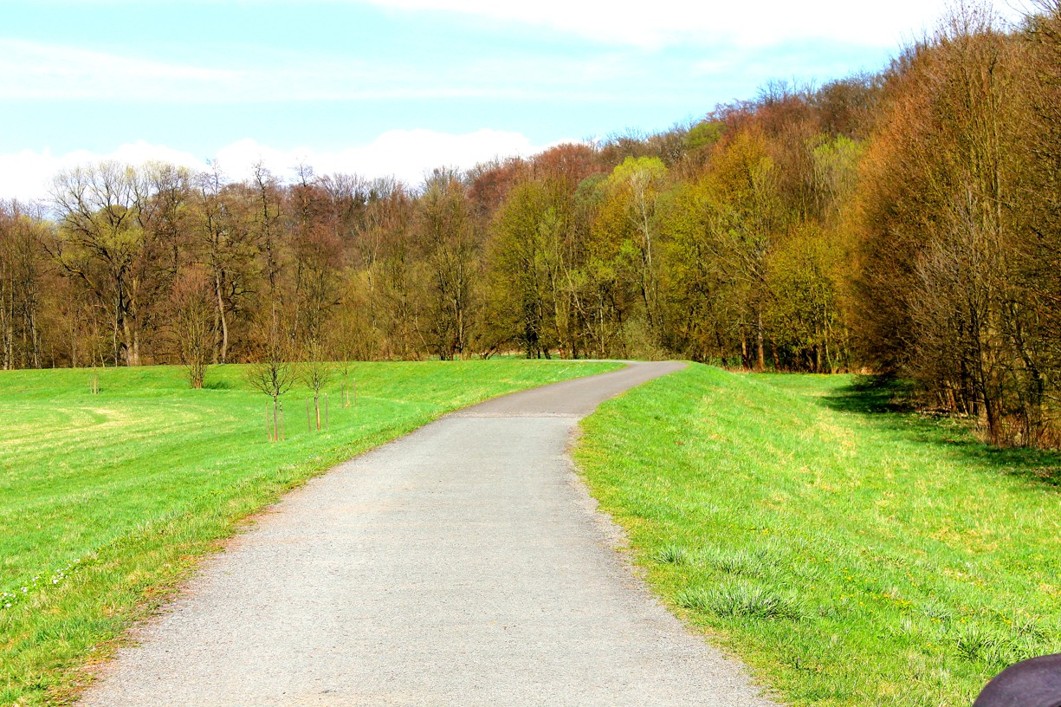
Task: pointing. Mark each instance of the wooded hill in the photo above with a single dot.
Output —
(903, 223)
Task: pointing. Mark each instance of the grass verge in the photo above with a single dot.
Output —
(851, 554)
(108, 501)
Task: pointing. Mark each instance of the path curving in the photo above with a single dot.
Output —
(462, 564)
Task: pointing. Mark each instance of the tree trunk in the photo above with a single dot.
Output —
(760, 349)
(222, 318)
(276, 421)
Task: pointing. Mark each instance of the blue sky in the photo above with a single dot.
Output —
(395, 87)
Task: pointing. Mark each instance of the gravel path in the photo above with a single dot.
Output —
(463, 564)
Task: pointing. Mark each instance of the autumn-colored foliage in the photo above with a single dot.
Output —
(905, 223)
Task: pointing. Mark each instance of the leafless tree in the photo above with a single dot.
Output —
(316, 373)
(273, 373)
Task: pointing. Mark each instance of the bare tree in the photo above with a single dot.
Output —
(224, 242)
(316, 373)
(273, 374)
(20, 287)
(267, 192)
(192, 323)
(99, 241)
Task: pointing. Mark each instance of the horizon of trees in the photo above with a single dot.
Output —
(904, 223)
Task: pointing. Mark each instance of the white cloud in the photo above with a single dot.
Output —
(666, 22)
(27, 175)
(406, 154)
(31, 71)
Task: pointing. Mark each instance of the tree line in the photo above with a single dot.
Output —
(905, 223)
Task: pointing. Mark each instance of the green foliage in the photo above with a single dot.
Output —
(529, 267)
(805, 321)
(850, 552)
(446, 225)
(836, 163)
(108, 501)
(637, 173)
(703, 134)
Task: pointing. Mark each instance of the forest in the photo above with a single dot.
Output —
(905, 223)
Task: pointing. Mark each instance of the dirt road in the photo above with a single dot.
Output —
(463, 564)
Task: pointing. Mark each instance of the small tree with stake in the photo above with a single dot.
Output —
(344, 374)
(273, 375)
(316, 373)
(345, 344)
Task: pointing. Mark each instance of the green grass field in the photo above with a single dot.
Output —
(850, 553)
(107, 501)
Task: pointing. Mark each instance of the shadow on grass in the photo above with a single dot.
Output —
(872, 394)
(887, 402)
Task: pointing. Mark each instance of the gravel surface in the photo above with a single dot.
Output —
(462, 564)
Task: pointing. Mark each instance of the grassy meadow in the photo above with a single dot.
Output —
(108, 500)
(851, 553)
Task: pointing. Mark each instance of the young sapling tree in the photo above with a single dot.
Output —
(273, 375)
(316, 373)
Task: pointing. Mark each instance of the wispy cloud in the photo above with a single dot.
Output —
(723, 37)
(31, 70)
(409, 155)
(35, 71)
(668, 22)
